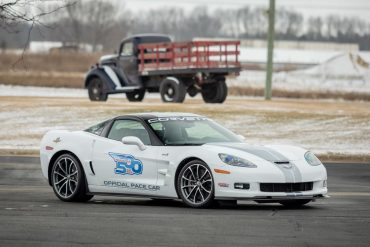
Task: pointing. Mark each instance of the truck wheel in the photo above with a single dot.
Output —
(172, 90)
(215, 92)
(96, 89)
(135, 96)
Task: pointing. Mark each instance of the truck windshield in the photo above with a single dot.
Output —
(187, 131)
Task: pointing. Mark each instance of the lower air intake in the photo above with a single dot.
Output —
(286, 187)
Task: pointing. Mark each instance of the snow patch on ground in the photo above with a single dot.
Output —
(8, 90)
(348, 72)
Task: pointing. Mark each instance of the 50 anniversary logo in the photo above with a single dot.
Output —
(127, 164)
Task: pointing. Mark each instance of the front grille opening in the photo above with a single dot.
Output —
(286, 187)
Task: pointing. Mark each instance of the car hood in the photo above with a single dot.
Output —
(273, 153)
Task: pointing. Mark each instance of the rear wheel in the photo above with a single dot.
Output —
(294, 203)
(195, 184)
(97, 91)
(68, 179)
(172, 90)
(215, 92)
(135, 96)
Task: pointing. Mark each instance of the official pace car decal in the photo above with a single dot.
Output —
(135, 186)
(126, 164)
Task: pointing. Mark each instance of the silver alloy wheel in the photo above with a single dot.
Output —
(196, 184)
(65, 177)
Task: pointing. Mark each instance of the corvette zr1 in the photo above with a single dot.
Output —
(177, 155)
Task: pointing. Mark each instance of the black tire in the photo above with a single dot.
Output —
(68, 176)
(198, 194)
(215, 92)
(172, 90)
(135, 96)
(97, 90)
(294, 203)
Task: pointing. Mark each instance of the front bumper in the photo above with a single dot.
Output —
(254, 193)
(301, 173)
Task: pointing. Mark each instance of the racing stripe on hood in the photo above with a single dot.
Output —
(260, 151)
(291, 174)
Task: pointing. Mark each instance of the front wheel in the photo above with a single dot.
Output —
(215, 92)
(135, 96)
(195, 184)
(96, 88)
(68, 179)
(172, 90)
(295, 203)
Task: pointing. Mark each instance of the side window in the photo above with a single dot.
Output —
(97, 129)
(123, 128)
(127, 49)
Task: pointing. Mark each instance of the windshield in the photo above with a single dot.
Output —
(178, 131)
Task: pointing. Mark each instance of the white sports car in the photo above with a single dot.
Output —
(177, 155)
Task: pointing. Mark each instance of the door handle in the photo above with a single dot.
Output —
(165, 154)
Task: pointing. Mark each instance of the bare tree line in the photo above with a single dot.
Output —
(103, 22)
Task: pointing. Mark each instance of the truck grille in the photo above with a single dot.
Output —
(286, 187)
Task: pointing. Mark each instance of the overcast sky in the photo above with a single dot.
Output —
(349, 8)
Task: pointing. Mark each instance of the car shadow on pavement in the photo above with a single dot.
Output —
(170, 203)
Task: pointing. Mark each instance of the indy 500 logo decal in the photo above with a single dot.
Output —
(127, 164)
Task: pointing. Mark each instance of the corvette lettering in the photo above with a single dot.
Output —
(126, 164)
(166, 119)
(135, 186)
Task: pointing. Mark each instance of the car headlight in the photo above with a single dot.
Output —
(312, 159)
(236, 161)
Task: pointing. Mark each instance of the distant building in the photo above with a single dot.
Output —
(43, 46)
(302, 45)
(60, 47)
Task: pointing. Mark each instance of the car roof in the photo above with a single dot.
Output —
(149, 115)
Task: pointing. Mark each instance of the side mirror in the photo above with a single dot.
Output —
(241, 137)
(133, 140)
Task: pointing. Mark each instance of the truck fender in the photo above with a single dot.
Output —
(107, 75)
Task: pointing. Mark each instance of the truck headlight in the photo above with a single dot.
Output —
(236, 161)
(312, 159)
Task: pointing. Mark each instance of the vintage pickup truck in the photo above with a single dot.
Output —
(155, 64)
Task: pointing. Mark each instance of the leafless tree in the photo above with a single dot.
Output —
(315, 28)
(14, 13)
(90, 22)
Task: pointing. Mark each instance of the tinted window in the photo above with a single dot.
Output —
(97, 129)
(123, 128)
(190, 131)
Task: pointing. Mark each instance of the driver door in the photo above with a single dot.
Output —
(128, 63)
(122, 168)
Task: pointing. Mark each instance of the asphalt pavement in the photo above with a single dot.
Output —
(31, 215)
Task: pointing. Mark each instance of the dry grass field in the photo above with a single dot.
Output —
(336, 130)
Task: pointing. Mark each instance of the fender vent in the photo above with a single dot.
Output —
(281, 162)
(286, 187)
(92, 168)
